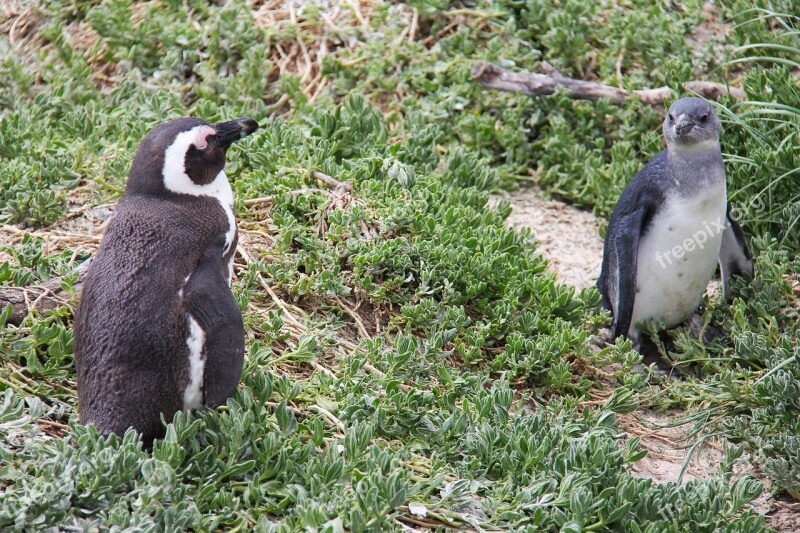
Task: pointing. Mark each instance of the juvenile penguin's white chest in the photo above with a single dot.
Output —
(678, 256)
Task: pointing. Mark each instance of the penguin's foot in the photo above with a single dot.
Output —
(706, 332)
(601, 340)
(651, 355)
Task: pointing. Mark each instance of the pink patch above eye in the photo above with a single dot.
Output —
(203, 133)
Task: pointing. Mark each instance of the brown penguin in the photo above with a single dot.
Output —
(157, 329)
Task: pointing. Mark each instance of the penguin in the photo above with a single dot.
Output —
(157, 329)
(671, 227)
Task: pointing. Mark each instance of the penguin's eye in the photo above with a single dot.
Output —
(671, 118)
(704, 118)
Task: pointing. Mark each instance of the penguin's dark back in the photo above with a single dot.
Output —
(650, 184)
(131, 326)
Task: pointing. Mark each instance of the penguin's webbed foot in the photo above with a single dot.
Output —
(706, 332)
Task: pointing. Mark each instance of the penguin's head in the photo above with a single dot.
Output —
(691, 122)
(184, 156)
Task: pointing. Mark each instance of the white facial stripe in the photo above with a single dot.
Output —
(193, 395)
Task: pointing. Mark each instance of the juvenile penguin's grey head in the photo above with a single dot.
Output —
(691, 123)
(184, 156)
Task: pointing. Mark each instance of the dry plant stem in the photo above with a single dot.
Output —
(322, 84)
(534, 84)
(329, 416)
(48, 296)
(319, 368)
(339, 187)
(372, 370)
(245, 229)
(280, 303)
(56, 235)
(271, 199)
(76, 213)
(414, 21)
(359, 324)
(357, 11)
(278, 103)
(303, 49)
(618, 67)
(339, 198)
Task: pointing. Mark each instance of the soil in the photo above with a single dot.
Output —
(569, 238)
(668, 448)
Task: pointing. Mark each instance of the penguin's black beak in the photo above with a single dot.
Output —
(683, 125)
(233, 130)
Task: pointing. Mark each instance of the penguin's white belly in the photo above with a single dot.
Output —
(677, 258)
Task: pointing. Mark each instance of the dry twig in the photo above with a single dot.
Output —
(49, 295)
(534, 84)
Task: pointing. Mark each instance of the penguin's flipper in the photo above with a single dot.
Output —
(735, 258)
(210, 302)
(626, 251)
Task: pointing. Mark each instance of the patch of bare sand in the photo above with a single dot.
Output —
(783, 515)
(567, 237)
(668, 448)
(710, 28)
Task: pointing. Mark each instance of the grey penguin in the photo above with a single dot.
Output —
(157, 329)
(671, 226)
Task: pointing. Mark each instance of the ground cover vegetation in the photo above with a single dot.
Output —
(410, 361)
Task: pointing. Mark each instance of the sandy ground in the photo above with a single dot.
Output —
(567, 237)
(668, 448)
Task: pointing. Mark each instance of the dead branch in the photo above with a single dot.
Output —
(44, 297)
(339, 187)
(534, 84)
(339, 198)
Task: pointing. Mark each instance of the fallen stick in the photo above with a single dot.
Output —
(339, 187)
(534, 84)
(49, 295)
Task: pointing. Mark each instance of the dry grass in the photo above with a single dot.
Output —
(20, 22)
(303, 36)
